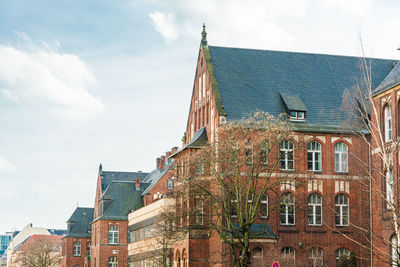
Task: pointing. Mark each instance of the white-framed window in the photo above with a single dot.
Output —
(204, 84)
(257, 255)
(316, 257)
(288, 256)
(341, 210)
(388, 123)
(341, 157)
(389, 188)
(113, 234)
(342, 253)
(264, 207)
(287, 209)
(200, 86)
(264, 153)
(170, 183)
(249, 152)
(286, 155)
(314, 209)
(314, 156)
(76, 249)
(297, 115)
(112, 262)
(199, 211)
(395, 251)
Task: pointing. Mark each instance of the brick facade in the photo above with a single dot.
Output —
(69, 259)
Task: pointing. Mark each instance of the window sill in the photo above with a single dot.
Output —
(286, 170)
(315, 172)
(315, 225)
(341, 173)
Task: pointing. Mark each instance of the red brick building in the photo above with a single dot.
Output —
(385, 112)
(76, 243)
(328, 213)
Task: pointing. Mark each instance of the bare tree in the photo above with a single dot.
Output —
(40, 251)
(233, 176)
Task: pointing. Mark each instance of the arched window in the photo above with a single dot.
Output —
(389, 189)
(76, 249)
(286, 149)
(342, 254)
(264, 153)
(287, 209)
(112, 262)
(341, 210)
(314, 156)
(184, 258)
(257, 255)
(113, 234)
(264, 207)
(316, 257)
(341, 157)
(178, 259)
(288, 256)
(249, 152)
(395, 251)
(170, 183)
(388, 123)
(314, 209)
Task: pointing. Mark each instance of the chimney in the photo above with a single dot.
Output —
(168, 154)
(174, 150)
(137, 184)
(162, 162)
(158, 160)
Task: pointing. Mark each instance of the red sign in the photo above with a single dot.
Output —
(275, 264)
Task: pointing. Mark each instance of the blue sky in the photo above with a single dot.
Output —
(84, 82)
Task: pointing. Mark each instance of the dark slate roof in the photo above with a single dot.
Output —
(156, 175)
(293, 102)
(110, 176)
(79, 222)
(249, 80)
(123, 197)
(259, 231)
(199, 139)
(390, 81)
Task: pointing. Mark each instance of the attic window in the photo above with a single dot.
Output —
(294, 107)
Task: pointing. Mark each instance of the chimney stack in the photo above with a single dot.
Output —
(174, 150)
(137, 184)
(158, 162)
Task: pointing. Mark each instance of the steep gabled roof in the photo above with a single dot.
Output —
(110, 176)
(250, 80)
(156, 175)
(79, 222)
(122, 197)
(390, 81)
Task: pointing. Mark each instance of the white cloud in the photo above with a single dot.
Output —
(165, 25)
(6, 165)
(39, 77)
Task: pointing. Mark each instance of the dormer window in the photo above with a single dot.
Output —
(294, 107)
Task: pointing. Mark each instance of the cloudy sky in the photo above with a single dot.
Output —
(88, 82)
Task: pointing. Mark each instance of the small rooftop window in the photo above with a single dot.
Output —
(294, 106)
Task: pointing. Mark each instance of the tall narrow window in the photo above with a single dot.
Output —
(315, 209)
(233, 207)
(199, 211)
(249, 152)
(200, 87)
(288, 256)
(389, 189)
(264, 207)
(287, 209)
(286, 155)
(204, 84)
(112, 262)
(341, 157)
(395, 251)
(388, 123)
(113, 234)
(76, 249)
(170, 183)
(314, 156)
(264, 153)
(316, 257)
(341, 210)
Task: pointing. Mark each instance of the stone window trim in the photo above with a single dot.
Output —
(341, 209)
(315, 204)
(286, 155)
(287, 209)
(77, 249)
(343, 157)
(113, 234)
(314, 152)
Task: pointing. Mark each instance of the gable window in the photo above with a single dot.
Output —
(170, 183)
(286, 155)
(315, 209)
(76, 249)
(341, 157)
(288, 256)
(316, 257)
(388, 123)
(264, 207)
(287, 209)
(113, 235)
(342, 210)
(297, 115)
(389, 188)
(112, 262)
(314, 156)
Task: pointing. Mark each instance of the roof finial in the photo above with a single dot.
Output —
(204, 35)
(100, 167)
